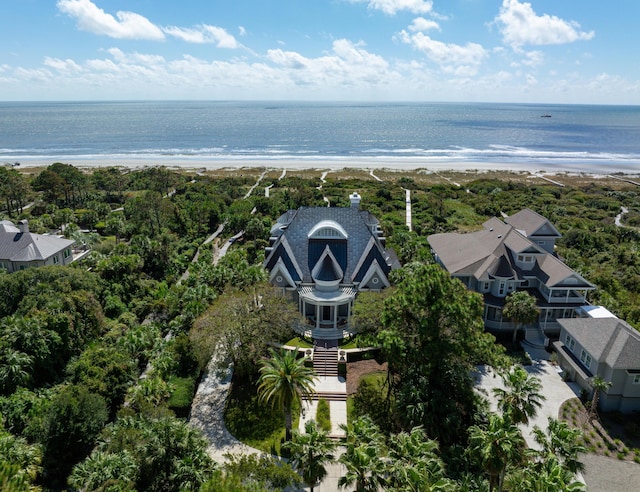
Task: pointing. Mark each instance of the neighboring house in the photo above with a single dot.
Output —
(516, 254)
(20, 249)
(606, 347)
(323, 256)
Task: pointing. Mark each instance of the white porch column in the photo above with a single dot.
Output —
(335, 317)
(318, 311)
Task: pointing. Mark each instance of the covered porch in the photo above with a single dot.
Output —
(326, 310)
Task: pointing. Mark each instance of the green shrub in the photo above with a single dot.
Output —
(182, 395)
(323, 415)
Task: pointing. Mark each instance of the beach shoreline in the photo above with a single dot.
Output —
(412, 165)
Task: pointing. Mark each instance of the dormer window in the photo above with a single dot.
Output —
(328, 229)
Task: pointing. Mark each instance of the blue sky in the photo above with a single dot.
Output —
(547, 51)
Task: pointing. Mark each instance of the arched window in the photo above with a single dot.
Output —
(328, 229)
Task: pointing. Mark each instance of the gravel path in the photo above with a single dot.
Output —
(207, 414)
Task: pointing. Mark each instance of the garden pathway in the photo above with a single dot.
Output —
(207, 414)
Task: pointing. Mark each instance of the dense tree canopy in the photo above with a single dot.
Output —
(433, 335)
(243, 324)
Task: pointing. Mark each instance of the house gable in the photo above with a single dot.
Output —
(283, 251)
(280, 276)
(374, 278)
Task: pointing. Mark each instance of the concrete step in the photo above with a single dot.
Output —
(328, 396)
(325, 362)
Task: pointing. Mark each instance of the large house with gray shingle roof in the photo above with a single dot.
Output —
(323, 256)
(20, 249)
(511, 255)
(606, 347)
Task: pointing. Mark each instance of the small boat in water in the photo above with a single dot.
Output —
(546, 115)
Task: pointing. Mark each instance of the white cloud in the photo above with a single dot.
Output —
(242, 30)
(533, 58)
(422, 24)
(521, 26)
(204, 34)
(452, 58)
(67, 65)
(391, 7)
(128, 25)
(347, 64)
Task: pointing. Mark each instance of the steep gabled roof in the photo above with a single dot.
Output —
(608, 340)
(532, 224)
(357, 227)
(555, 273)
(491, 252)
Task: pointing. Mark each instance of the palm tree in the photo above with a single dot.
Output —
(521, 398)
(598, 384)
(105, 471)
(414, 464)
(545, 476)
(497, 446)
(15, 370)
(521, 308)
(362, 458)
(561, 442)
(310, 452)
(284, 380)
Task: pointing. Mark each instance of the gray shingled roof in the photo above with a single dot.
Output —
(530, 223)
(489, 252)
(295, 226)
(27, 246)
(608, 340)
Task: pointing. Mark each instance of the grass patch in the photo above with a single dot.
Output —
(376, 378)
(370, 399)
(256, 424)
(184, 390)
(299, 342)
(323, 415)
(350, 344)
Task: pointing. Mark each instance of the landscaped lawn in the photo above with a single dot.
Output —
(258, 425)
(376, 379)
(617, 435)
(299, 342)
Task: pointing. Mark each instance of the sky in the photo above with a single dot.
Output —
(539, 51)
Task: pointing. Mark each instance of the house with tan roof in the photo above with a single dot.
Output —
(324, 256)
(511, 255)
(20, 249)
(607, 347)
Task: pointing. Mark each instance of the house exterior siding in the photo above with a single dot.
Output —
(510, 256)
(613, 347)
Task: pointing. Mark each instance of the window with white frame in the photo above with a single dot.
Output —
(67, 253)
(570, 342)
(585, 358)
(501, 287)
(485, 286)
(56, 260)
(636, 379)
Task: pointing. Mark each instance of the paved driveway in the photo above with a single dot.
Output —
(602, 474)
(554, 389)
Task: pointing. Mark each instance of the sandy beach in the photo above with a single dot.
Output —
(336, 164)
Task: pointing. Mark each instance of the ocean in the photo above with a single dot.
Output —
(576, 137)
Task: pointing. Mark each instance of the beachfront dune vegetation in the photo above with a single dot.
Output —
(107, 351)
